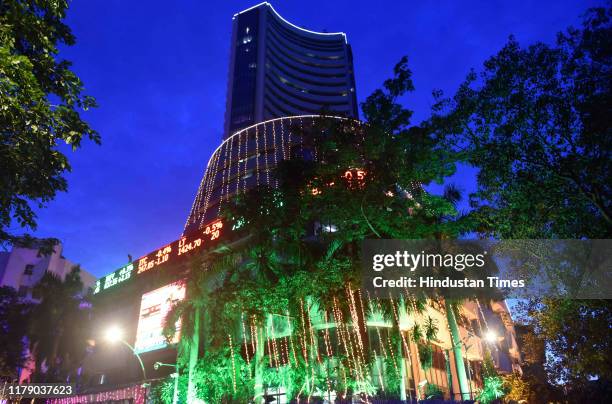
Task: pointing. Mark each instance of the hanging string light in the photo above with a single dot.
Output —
(274, 345)
(257, 154)
(246, 346)
(304, 340)
(233, 362)
(290, 327)
(277, 144)
(267, 153)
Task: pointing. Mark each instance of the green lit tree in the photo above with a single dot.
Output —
(41, 99)
(365, 183)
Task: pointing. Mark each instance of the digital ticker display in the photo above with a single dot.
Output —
(168, 254)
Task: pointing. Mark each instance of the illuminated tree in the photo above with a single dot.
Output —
(300, 260)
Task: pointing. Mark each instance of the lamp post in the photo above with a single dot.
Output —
(115, 334)
(175, 375)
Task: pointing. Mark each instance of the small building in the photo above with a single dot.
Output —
(23, 267)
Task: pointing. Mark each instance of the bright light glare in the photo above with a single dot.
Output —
(114, 334)
(491, 336)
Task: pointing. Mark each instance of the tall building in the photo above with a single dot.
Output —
(281, 76)
(278, 69)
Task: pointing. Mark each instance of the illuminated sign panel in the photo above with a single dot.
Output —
(171, 253)
(154, 307)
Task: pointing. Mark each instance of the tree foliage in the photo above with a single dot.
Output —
(536, 123)
(58, 327)
(41, 100)
(577, 335)
(13, 323)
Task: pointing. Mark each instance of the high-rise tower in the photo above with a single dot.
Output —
(278, 69)
(280, 76)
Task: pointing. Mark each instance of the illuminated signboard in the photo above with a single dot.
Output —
(171, 253)
(154, 307)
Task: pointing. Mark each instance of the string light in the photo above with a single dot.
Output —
(244, 340)
(257, 154)
(136, 394)
(274, 142)
(233, 362)
(291, 338)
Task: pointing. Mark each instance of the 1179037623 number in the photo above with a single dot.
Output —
(39, 390)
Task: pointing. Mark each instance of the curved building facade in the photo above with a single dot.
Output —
(246, 159)
(278, 69)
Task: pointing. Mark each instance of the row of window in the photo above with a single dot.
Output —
(297, 58)
(328, 44)
(339, 54)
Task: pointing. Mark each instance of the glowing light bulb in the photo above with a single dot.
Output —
(491, 336)
(114, 334)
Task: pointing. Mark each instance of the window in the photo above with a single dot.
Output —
(28, 269)
(23, 291)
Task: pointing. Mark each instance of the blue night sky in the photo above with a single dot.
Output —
(158, 70)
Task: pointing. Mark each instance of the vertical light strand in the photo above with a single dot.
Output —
(246, 160)
(344, 338)
(257, 342)
(233, 362)
(301, 139)
(237, 176)
(238, 162)
(289, 323)
(211, 175)
(274, 344)
(225, 165)
(304, 340)
(267, 165)
(328, 348)
(246, 345)
(257, 154)
(274, 142)
(214, 185)
(395, 364)
(289, 128)
(315, 147)
(269, 346)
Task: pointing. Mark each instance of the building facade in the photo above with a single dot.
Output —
(22, 268)
(278, 69)
(247, 158)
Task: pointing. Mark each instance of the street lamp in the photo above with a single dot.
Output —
(174, 375)
(113, 335)
(491, 336)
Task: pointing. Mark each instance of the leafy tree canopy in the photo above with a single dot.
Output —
(13, 323)
(536, 122)
(41, 99)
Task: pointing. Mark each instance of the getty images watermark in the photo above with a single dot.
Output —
(494, 269)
